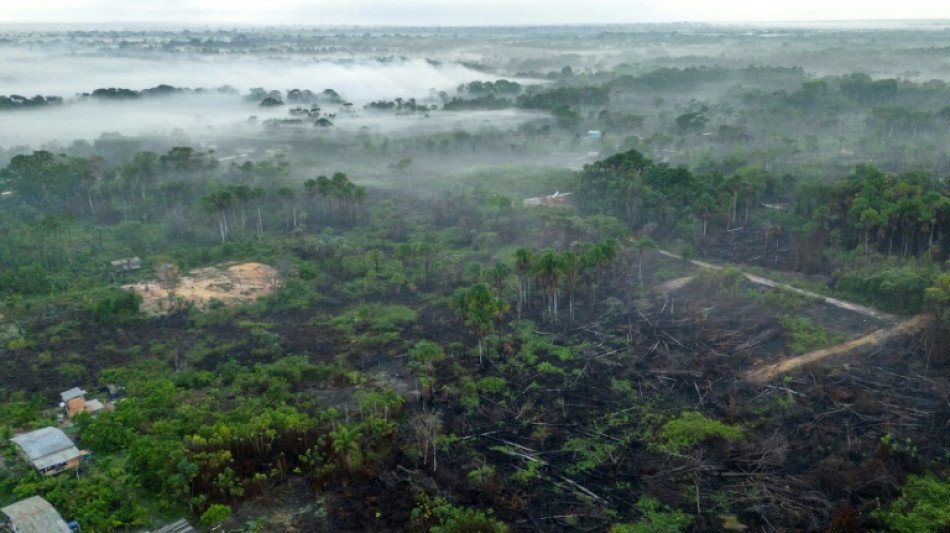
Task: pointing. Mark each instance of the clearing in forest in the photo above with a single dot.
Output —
(855, 345)
(229, 284)
(875, 338)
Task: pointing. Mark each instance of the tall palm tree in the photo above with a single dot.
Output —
(547, 269)
(523, 259)
(642, 244)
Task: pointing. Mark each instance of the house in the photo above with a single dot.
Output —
(558, 199)
(74, 392)
(74, 401)
(34, 515)
(126, 264)
(94, 406)
(81, 405)
(49, 450)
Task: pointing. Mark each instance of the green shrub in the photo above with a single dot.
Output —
(804, 336)
(116, 306)
(692, 428)
(215, 514)
(899, 289)
(443, 517)
(923, 507)
(657, 518)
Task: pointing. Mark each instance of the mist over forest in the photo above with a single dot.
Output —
(627, 278)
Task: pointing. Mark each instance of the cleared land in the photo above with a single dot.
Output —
(856, 345)
(228, 284)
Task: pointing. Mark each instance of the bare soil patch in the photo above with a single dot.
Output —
(229, 284)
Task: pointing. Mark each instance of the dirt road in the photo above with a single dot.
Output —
(866, 343)
(758, 280)
(875, 338)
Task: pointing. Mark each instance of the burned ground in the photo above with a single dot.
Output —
(561, 426)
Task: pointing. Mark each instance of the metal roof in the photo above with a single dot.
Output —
(74, 392)
(46, 447)
(35, 515)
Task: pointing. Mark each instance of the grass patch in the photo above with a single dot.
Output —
(804, 336)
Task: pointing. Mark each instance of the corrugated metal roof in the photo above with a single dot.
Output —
(46, 447)
(74, 392)
(35, 515)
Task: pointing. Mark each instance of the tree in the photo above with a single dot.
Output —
(497, 274)
(401, 167)
(570, 265)
(706, 205)
(548, 269)
(35, 177)
(422, 359)
(596, 262)
(692, 122)
(257, 196)
(219, 203)
(346, 444)
(523, 259)
(938, 302)
(479, 309)
(140, 174)
(567, 117)
(642, 244)
(340, 195)
(288, 198)
(753, 181)
(426, 428)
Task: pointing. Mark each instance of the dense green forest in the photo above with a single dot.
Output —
(436, 355)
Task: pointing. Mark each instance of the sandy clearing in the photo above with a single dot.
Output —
(236, 283)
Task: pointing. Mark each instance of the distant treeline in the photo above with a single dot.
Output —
(399, 105)
(259, 95)
(501, 86)
(293, 96)
(113, 93)
(15, 101)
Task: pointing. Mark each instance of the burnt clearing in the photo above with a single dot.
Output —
(563, 440)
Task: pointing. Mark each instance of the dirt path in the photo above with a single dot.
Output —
(875, 338)
(857, 308)
(673, 284)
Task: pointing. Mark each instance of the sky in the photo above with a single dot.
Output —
(457, 13)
